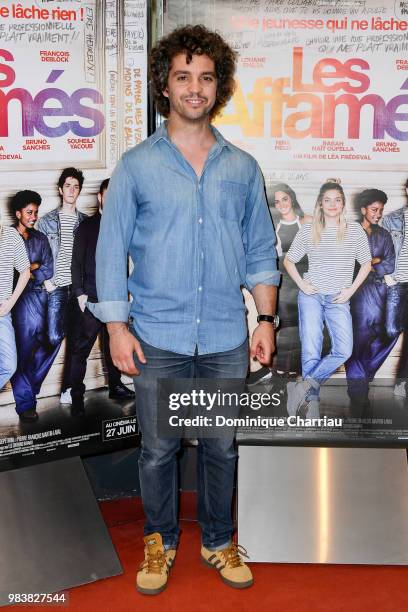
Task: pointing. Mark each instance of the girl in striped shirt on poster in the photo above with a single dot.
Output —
(332, 245)
(13, 256)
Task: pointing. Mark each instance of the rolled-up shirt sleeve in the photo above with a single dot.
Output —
(116, 230)
(259, 237)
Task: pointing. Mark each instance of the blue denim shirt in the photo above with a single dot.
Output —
(49, 225)
(194, 243)
(394, 223)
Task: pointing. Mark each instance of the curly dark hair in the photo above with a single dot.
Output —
(73, 173)
(23, 198)
(369, 196)
(192, 40)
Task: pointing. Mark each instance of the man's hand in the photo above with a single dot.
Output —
(5, 307)
(343, 297)
(82, 300)
(122, 346)
(307, 287)
(263, 343)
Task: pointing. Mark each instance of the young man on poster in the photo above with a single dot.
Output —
(397, 224)
(60, 225)
(34, 354)
(87, 327)
(190, 209)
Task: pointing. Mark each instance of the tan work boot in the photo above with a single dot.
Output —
(152, 577)
(228, 562)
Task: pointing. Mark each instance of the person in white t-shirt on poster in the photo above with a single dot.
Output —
(60, 225)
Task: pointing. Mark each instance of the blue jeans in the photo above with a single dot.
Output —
(62, 306)
(8, 353)
(57, 315)
(216, 458)
(315, 311)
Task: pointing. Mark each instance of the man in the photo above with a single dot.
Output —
(59, 226)
(34, 354)
(190, 209)
(87, 327)
(397, 224)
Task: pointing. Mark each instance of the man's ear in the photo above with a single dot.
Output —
(165, 92)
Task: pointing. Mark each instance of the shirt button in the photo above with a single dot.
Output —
(198, 320)
(200, 288)
(200, 220)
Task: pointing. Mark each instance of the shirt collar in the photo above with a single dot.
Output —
(161, 134)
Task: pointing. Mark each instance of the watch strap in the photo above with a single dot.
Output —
(274, 319)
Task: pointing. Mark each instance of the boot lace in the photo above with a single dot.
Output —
(233, 554)
(154, 563)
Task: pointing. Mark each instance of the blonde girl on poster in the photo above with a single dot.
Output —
(332, 245)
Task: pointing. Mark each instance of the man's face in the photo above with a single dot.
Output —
(373, 212)
(191, 88)
(70, 190)
(28, 215)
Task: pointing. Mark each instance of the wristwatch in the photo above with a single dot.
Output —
(274, 319)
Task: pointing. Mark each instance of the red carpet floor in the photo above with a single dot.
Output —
(194, 587)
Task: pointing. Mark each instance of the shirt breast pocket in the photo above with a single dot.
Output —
(233, 196)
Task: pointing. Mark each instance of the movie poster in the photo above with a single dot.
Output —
(73, 93)
(322, 95)
(52, 85)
